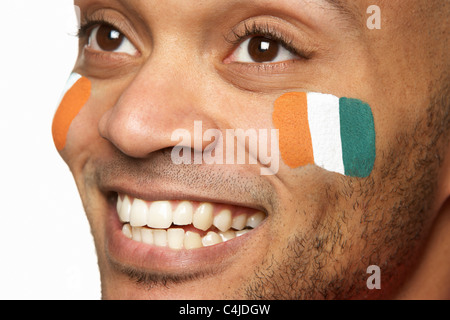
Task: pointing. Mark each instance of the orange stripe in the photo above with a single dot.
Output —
(290, 116)
(73, 101)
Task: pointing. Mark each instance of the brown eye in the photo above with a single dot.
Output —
(108, 39)
(262, 49)
(259, 49)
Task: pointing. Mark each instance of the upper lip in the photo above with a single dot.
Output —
(154, 182)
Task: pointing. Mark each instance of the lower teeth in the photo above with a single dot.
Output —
(177, 238)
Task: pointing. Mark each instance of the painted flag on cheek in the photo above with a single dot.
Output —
(336, 134)
(76, 94)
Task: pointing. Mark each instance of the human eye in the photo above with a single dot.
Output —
(106, 38)
(263, 44)
(261, 49)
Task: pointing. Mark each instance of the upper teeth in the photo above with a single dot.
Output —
(138, 214)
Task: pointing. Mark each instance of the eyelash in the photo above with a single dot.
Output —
(267, 31)
(88, 25)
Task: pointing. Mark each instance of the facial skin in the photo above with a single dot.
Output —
(322, 230)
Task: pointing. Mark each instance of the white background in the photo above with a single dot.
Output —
(46, 248)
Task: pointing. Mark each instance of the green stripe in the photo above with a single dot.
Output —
(358, 137)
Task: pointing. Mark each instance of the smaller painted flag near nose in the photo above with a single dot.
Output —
(336, 134)
(74, 97)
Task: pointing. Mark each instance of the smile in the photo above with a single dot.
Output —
(184, 225)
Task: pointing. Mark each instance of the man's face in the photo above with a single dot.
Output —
(153, 67)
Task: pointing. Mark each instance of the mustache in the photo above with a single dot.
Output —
(157, 174)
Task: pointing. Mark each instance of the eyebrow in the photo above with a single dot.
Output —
(343, 7)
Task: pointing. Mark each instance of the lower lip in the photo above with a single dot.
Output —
(129, 253)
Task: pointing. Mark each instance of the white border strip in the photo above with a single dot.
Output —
(325, 126)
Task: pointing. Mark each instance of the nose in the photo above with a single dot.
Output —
(155, 104)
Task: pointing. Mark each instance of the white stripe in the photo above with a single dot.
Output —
(325, 127)
(74, 77)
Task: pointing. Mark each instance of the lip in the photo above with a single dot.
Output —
(126, 253)
(158, 179)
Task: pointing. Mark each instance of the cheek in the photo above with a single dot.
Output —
(336, 134)
(76, 95)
